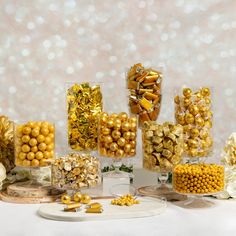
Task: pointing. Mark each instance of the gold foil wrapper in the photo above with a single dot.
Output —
(7, 143)
(162, 146)
(117, 135)
(193, 111)
(84, 105)
(75, 171)
(144, 85)
(34, 144)
(198, 178)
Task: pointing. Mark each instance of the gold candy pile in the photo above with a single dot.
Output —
(162, 146)
(193, 111)
(198, 179)
(125, 200)
(7, 143)
(145, 92)
(34, 144)
(75, 171)
(117, 135)
(84, 105)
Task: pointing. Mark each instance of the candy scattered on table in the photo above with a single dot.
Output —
(75, 171)
(34, 144)
(145, 92)
(193, 111)
(198, 178)
(84, 105)
(125, 200)
(117, 135)
(162, 146)
(95, 207)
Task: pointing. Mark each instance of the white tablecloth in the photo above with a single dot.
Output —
(22, 220)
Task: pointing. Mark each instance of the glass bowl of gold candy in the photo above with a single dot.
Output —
(199, 179)
(34, 143)
(74, 171)
(193, 110)
(117, 135)
(144, 85)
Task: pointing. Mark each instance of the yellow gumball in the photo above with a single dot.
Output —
(35, 162)
(39, 155)
(26, 130)
(25, 138)
(30, 156)
(85, 199)
(65, 199)
(26, 162)
(25, 148)
(77, 197)
(35, 132)
(22, 156)
(40, 138)
(33, 142)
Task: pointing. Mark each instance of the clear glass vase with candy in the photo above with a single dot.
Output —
(84, 106)
(193, 110)
(144, 85)
(34, 143)
(162, 150)
(117, 140)
(74, 172)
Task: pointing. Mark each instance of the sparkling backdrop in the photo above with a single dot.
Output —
(46, 43)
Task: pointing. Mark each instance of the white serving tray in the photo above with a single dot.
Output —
(147, 207)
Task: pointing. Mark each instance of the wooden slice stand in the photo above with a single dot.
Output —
(30, 192)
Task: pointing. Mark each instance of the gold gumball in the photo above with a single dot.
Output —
(125, 126)
(133, 120)
(48, 140)
(44, 131)
(40, 138)
(189, 118)
(132, 135)
(193, 109)
(26, 163)
(127, 148)
(22, 156)
(30, 156)
(35, 132)
(205, 92)
(187, 92)
(113, 147)
(50, 147)
(177, 99)
(35, 162)
(187, 102)
(133, 143)
(117, 123)
(26, 130)
(103, 119)
(106, 131)
(199, 121)
(121, 142)
(180, 119)
(133, 126)
(113, 115)
(65, 199)
(110, 123)
(25, 148)
(204, 134)
(132, 152)
(123, 116)
(39, 155)
(119, 153)
(34, 149)
(85, 199)
(42, 146)
(43, 162)
(127, 135)
(47, 155)
(208, 101)
(110, 153)
(208, 124)
(33, 142)
(116, 134)
(77, 197)
(30, 124)
(25, 138)
(194, 133)
(108, 139)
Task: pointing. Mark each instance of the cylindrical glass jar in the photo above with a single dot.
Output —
(84, 105)
(144, 85)
(34, 143)
(75, 171)
(117, 135)
(162, 146)
(193, 110)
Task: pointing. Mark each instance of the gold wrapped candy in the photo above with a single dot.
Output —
(198, 178)
(193, 111)
(117, 135)
(162, 146)
(34, 144)
(6, 143)
(84, 105)
(145, 92)
(75, 171)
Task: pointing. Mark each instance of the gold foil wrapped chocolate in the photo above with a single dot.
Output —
(193, 111)
(75, 171)
(162, 146)
(6, 143)
(84, 105)
(117, 135)
(145, 92)
(34, 144)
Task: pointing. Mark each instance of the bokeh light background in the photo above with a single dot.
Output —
(46, 43)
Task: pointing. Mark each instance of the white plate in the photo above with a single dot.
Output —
(147, 207)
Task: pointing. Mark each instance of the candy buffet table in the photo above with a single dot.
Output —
(17, 219)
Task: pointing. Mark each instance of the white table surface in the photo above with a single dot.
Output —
(19, 219)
